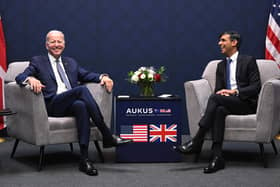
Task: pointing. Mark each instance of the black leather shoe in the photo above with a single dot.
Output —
(187, 148)
(116, 141)
(216, 164)
(87, 167)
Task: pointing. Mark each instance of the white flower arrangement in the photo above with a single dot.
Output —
(147, 75)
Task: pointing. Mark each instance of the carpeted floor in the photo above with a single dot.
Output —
(243, 168)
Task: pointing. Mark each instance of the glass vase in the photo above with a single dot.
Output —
(146, 89)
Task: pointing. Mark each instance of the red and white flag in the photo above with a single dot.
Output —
(272, 41)
(3, 68)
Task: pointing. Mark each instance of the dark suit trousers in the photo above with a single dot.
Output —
(218, 107)
(78, 102)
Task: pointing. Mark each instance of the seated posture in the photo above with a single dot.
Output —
(58, 78)
(236, 92)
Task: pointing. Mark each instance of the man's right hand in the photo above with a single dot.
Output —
(35, 85)
(227, 92)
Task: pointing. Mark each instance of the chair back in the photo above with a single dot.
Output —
(268, 69)
(14, 69)
(209, 73)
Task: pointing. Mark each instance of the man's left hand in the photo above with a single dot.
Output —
(108, 83)
(226, 92)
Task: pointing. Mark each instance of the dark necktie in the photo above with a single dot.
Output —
(62, 75)
(228, 73)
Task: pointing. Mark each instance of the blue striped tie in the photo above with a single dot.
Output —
(62, 75)
(228, 73)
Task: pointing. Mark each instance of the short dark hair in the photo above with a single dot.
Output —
(234, 35)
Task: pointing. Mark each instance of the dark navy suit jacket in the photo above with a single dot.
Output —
(247, 78)
(40, 68)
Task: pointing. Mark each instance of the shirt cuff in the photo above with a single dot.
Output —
(237, 92)
(25, 82)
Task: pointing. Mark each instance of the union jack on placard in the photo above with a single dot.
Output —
(163, 133)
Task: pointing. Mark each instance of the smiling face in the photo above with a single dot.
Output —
(227, 45)
(55, 43)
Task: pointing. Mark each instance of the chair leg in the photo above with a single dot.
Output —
(274, 147)
(262, 155)
(14, 148)
(71, 147)
(100, 154)
(42, 157)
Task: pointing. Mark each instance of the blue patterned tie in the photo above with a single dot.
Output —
(228, 73)
(62, 75)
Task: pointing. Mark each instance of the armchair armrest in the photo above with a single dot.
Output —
(268, 111)
(103, 99)
(197, 94)
(30, 123)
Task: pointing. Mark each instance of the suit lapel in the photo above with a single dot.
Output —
(238, 64)
(225, 70)
(49, 67)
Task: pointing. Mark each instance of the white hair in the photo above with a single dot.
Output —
(53, 31)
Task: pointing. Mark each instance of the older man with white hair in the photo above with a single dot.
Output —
(58, 78)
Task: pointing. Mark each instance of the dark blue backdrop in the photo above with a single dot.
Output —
(117, 36)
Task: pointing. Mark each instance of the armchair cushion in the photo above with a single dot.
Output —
(58, 123)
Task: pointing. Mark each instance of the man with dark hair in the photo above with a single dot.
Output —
(58, 78)
(236, 92)
(233, 36)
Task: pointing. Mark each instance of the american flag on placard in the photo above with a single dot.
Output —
(137, 133)
(272, 41)
(3, 68)
(163, 133)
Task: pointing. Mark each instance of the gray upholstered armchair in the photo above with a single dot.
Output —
(31, 123)
(260, 127)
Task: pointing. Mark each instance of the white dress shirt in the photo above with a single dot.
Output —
(61, 87)
(233, 66)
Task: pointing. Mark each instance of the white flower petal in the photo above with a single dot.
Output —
(142, 76)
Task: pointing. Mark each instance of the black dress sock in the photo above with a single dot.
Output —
(199, 138)
(217, 149)
(84, 151)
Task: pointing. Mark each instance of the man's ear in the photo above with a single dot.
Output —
(234, 43)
